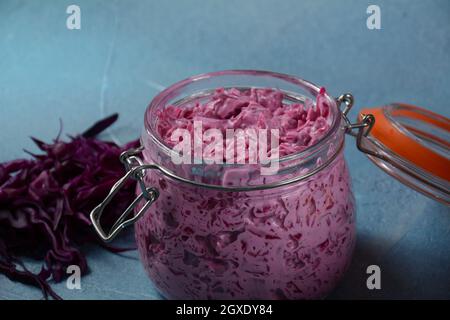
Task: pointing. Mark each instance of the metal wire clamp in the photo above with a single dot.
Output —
(363, 128)
(134, 171)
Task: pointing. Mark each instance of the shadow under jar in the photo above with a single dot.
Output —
(285, 236)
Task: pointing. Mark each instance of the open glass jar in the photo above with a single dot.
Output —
(208, 231)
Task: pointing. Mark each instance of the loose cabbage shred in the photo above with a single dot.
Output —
(45, 203)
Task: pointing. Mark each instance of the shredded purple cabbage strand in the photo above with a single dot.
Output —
(45, 204)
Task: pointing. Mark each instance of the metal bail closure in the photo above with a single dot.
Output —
(409, 143)
(364, 126)
(149, 194)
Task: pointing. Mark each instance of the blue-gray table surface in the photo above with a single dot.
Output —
(127, 51)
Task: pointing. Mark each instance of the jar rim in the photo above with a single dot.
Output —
(309, 152)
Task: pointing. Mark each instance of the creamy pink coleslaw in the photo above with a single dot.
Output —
(291, 242)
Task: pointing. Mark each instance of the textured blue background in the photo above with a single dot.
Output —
(127, 51)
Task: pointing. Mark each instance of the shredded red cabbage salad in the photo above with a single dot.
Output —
(45, 204)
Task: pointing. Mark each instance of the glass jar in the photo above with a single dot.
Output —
(290, 241)
(289, 235)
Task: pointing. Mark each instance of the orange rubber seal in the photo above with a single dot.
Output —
(405, 146)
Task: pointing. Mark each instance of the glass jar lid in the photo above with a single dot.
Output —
(411, 144)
